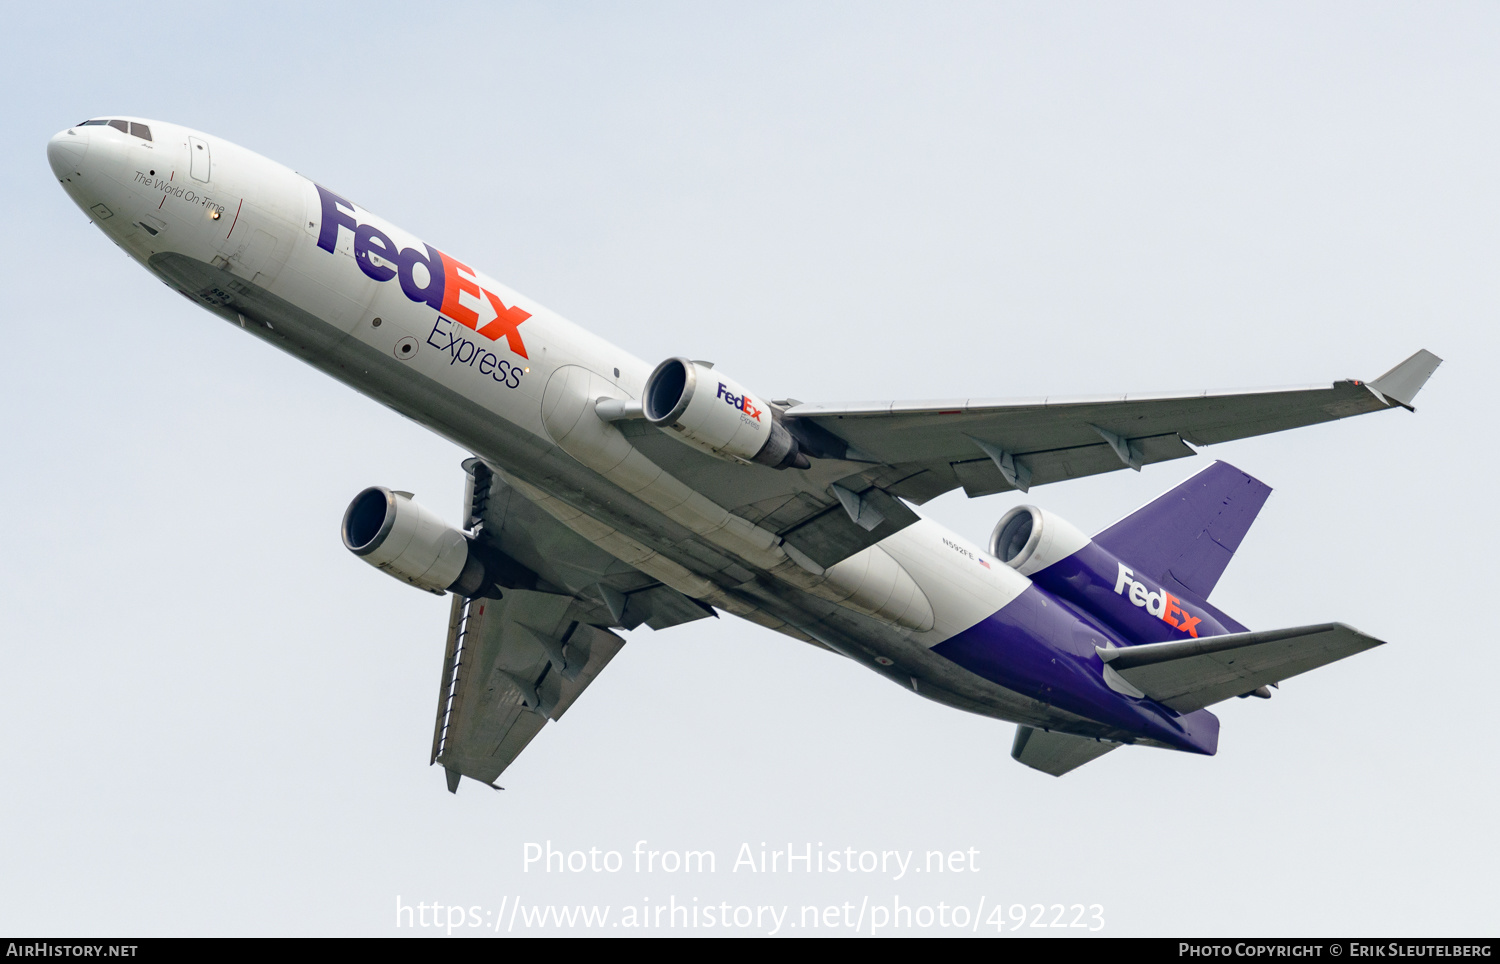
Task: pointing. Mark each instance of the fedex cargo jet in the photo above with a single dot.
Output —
(605, 491)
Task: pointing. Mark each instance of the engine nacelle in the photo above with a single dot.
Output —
(1029, 539)
(401, 538)
(1071, 566)
(716, 415)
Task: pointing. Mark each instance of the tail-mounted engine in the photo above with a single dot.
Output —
(1029, 539)
(399, 537)
(715, 414)
(1071, 566)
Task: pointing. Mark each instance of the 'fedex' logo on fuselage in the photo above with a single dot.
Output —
(741, 402)
(450, 287)
(1162, 604)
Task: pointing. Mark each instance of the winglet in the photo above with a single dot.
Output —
(1402, 383)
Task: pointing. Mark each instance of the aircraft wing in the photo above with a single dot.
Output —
(869, 457)
(543, 554)
(1190, 674)
(927, 448)
(511, 664)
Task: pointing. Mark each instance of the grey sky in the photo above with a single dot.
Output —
(216, 721)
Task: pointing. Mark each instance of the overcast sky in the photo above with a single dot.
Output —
(217, 721)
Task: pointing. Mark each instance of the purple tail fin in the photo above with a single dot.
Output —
(1187, 536)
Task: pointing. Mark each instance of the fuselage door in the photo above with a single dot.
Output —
(198, 149)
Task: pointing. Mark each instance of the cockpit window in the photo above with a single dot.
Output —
(129, 127)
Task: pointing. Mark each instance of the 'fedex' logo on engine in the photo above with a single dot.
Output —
(741, 402)
(1163, 605)
(432, 278)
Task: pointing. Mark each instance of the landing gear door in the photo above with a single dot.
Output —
(198, 151)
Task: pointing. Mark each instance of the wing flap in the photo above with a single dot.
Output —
(983, 476)
(598, 647)
(1194, 673)
(854, 522)
(662, 606)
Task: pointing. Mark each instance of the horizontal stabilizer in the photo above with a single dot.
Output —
(1056, 753)
(1194, 673)
(1404, 381)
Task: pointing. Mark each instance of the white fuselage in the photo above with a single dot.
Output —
(496, 372)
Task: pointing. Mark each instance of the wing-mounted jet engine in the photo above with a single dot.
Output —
(715, 414)
(394, 534)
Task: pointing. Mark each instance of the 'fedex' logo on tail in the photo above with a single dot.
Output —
(741, 402)
(444, 283)
(1163, 605)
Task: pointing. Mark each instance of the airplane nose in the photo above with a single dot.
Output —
(65, 152)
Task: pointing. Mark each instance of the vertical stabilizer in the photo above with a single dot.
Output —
(1184, 538)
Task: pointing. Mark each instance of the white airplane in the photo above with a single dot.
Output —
(606, 492)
